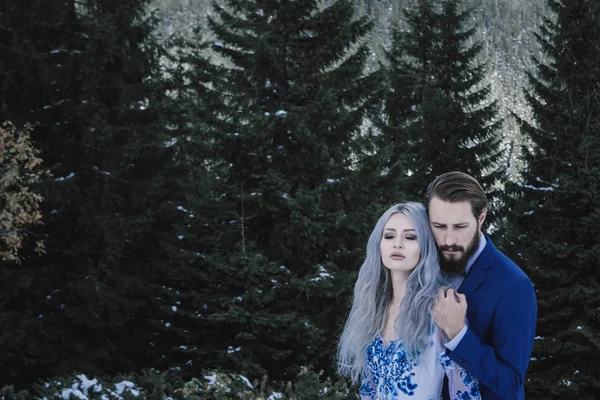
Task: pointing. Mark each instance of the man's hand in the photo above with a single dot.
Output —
(449, 312)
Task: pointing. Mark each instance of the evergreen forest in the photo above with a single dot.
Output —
(187, 188)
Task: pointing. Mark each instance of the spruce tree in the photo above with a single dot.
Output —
(438, 115)
(555, 208)
(283, 246)
(29, 37)
(183, 283)
(88, 77)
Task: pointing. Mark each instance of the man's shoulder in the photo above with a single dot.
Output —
(506, 280)
(507, 270)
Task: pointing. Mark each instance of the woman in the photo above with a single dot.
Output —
(390, 342)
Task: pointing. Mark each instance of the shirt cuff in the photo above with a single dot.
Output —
(451, 345)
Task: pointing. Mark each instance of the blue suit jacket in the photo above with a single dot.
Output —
(501, 315)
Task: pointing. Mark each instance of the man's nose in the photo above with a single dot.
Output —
(450, 239)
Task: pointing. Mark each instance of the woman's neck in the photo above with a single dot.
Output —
(399, 280)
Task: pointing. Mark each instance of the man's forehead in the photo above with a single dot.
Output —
(450, 213)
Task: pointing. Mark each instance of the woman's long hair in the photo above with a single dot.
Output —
(373, 296)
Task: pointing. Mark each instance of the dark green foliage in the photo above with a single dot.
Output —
(283, 247)
(179, 328)
(556, 207)
(208, 385)
(438, 116)
(88, 77)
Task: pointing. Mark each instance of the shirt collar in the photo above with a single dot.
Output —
(482, 243)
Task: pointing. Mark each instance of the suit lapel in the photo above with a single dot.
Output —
(476, 277)
(478, 273)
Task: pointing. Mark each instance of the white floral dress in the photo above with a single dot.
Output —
(390, 375)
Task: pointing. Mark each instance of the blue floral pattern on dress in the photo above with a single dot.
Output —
(471, 385)
(395, 367)
(390, 374)
(367, 389)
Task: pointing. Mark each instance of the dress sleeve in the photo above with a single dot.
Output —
(367, 387)
(461, 385)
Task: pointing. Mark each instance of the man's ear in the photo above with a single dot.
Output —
(482, 216)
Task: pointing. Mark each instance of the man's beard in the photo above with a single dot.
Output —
(458, 264)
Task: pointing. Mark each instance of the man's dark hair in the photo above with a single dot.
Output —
(457, 186)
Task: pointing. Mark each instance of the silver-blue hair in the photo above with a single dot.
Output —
(373, 296)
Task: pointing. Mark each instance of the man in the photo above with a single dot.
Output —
(494, 342)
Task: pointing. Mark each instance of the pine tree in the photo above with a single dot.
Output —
(438, 115)
(28, 37)
(555, 210)
(88, 77)
(282, 247)
(183, 280)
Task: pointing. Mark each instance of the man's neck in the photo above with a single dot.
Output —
(481, 246)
